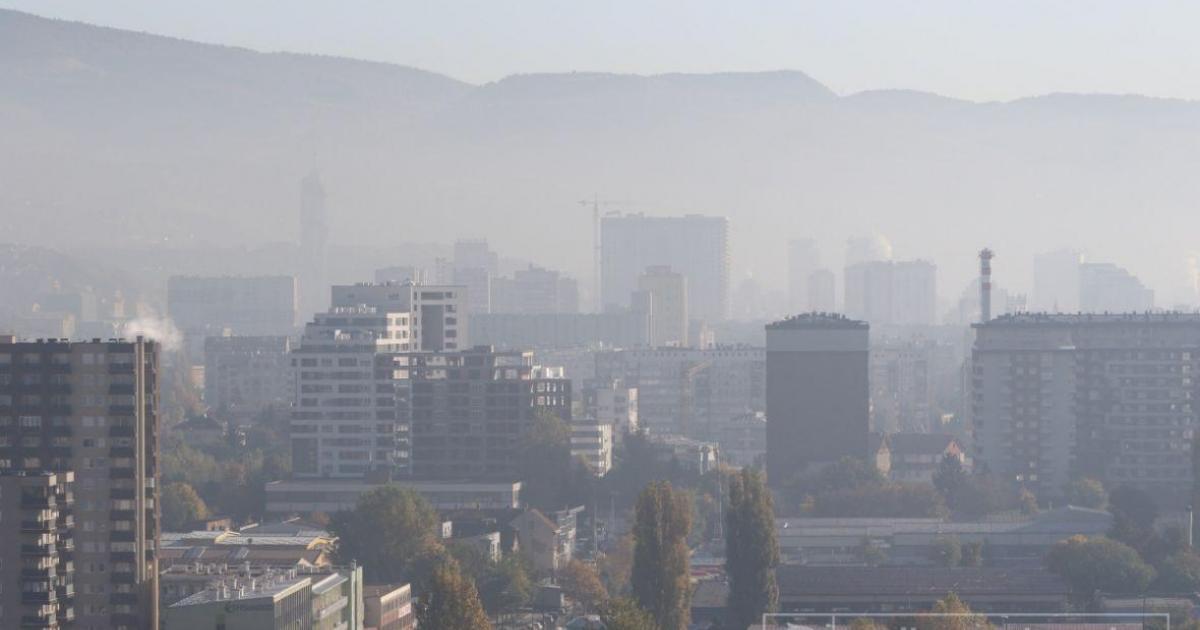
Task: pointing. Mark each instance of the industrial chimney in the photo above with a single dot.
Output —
(985, 285)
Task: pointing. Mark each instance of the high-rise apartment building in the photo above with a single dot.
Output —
(314, 248)
(695, 246)
(1107, 288)
(804, 258)
(614, 403)
(668, 293)
(210, 307)
(438, 312)
(476, 267)
(686, 391)
(471, 410)
(36, 566)
(1106, 396)
(892, 292)
(535, 290)
(1056, 281)
(903, 376)
(817, 393)
(91, 409)
(345, 423)
(822, 291)
(246, 376)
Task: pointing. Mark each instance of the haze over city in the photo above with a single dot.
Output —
(599, 315)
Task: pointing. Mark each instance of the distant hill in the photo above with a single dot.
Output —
(124, 137)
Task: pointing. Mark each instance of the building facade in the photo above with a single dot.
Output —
(91, 408)
(592, 442)
(36, 565)
(686, 390)
(616, 329)
(438, 313)
(817, 394)
(345, 422)
(695, 246)
(213, 306)
(535, 290)
(1106, 396)
(892, 292)
(324, 600)
(469, 411)
(247, 376)
(668, 300)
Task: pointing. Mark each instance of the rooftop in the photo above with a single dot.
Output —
(1075, 319)
(818, 320)
(934, 582)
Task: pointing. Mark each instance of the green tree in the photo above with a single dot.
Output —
(581, 582)
(546, 464)
(751, 549)
(946, 551)
(451, 602)
(616, 565)
(181, 506)
(1134, 513)
(391, 532)
(660, 559)
(506, 585)
(951, 481)
(891, 500)
(1180, 573)
(1099, 564)
(958, 616)
(624, 614)
(1086, 492)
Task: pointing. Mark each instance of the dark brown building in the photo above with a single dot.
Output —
(91, 408)
(818, 400)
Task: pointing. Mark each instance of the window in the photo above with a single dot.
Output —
(31, 421)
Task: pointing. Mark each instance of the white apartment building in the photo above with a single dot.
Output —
(341, 426)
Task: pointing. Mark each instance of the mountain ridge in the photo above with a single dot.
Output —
(170, 140)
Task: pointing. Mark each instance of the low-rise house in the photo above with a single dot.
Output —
(915, 457)
(388, 607)
(331, 600)
(547, 540)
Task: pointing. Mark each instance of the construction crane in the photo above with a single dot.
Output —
(595, 203)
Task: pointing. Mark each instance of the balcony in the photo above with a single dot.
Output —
(120, 388)
(121, 410)
(121, 451)
(121, 473)
(120, 431)
(61, 430)
(37, 526)
(38, 573)
(38, 597)
(130, 599)
(34, 502)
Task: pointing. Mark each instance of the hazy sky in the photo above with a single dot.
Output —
(978, 50)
